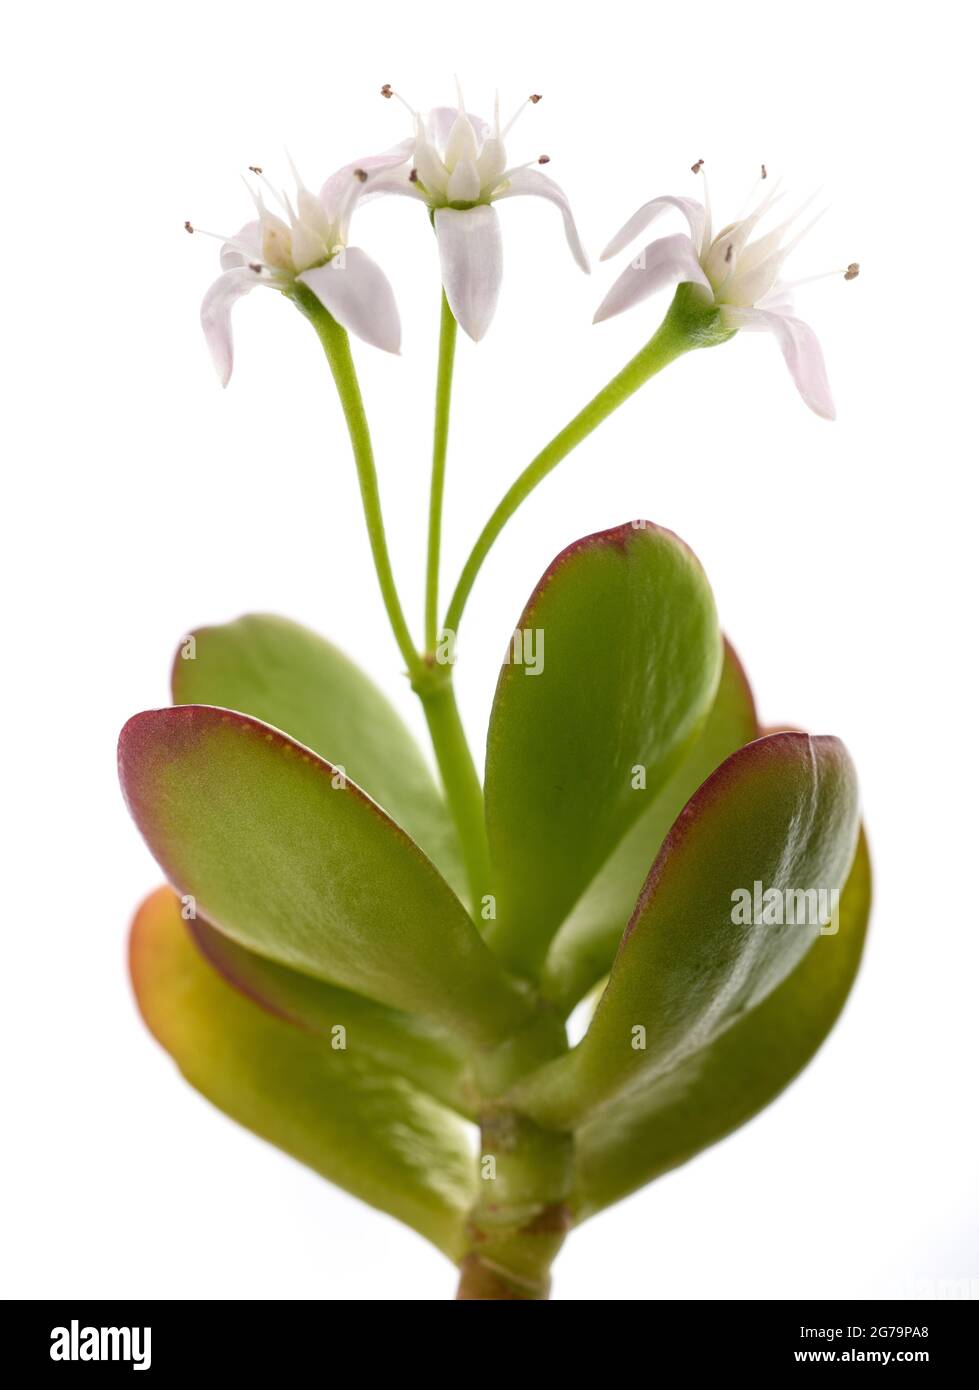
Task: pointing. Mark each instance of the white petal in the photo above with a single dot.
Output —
(540, 186)
(472, 264)
(441, 119)
(669, 261)
(694, 212)
(800, 348)
(431, 171)
(245, 246)
(491, 163)
(462, 143)
(779, 298)
(359, 296)
(336, 191)
(216, 315)
(463, 185)
(396, 182)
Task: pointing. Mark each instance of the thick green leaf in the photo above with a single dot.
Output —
(295, 862)
(780, 813)
(292, 678)
(631, 663)
(428, 1055)
(643, 1134)
(584, 948)
(355, 1122)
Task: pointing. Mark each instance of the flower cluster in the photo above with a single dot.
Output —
(455, 164)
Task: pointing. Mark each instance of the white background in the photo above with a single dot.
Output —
(143, 501)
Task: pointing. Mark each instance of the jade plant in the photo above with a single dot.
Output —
(373, 967)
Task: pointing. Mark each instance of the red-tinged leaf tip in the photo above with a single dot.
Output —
(157, 738)
(786, 747)
(615, 538)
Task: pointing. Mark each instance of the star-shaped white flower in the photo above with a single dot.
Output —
(306, 245)
(738, 275)
(457, 165)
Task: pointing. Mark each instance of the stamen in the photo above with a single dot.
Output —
(729, 253)
(361, 174)
(388, 91)
(255, 169)
(413, 176)
(280, 198)
(849, 272)
(766, 203)
(509, 172)
(531, 101)
(707, 236)
(243, 250)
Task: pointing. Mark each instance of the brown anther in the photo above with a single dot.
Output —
(387, 90)
(254, 265)
(544, 159)
(764, 172)
(729, 253)
(413, 176)
(188, 228)
(255, 169)
(852, 271)
(361, 174)
(535, 98)
(696, 168)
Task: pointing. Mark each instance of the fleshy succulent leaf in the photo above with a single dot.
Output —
(631, 660)
(358, 1124)
(284, 674)
(292, 860)
(582, 952)
(645, 1133)
(427, 1055)
(781, 812)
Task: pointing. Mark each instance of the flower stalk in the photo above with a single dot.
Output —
(336, 345)
(460, 780)
(688, 324)
(440, 444)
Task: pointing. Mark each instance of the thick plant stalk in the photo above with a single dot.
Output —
(519, 1223)
(522, 1214)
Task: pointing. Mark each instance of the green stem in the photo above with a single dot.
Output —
(460, 780)
(432, 684)
(685, 326)
(522, 1212)
(336, 345)
(440, 444)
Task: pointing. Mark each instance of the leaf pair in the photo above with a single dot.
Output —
(333, 913)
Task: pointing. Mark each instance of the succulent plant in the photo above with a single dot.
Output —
(315, 972)
(375, 970)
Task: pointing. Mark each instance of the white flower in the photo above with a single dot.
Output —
(457, 165)
(738, 275)
(307, 245)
